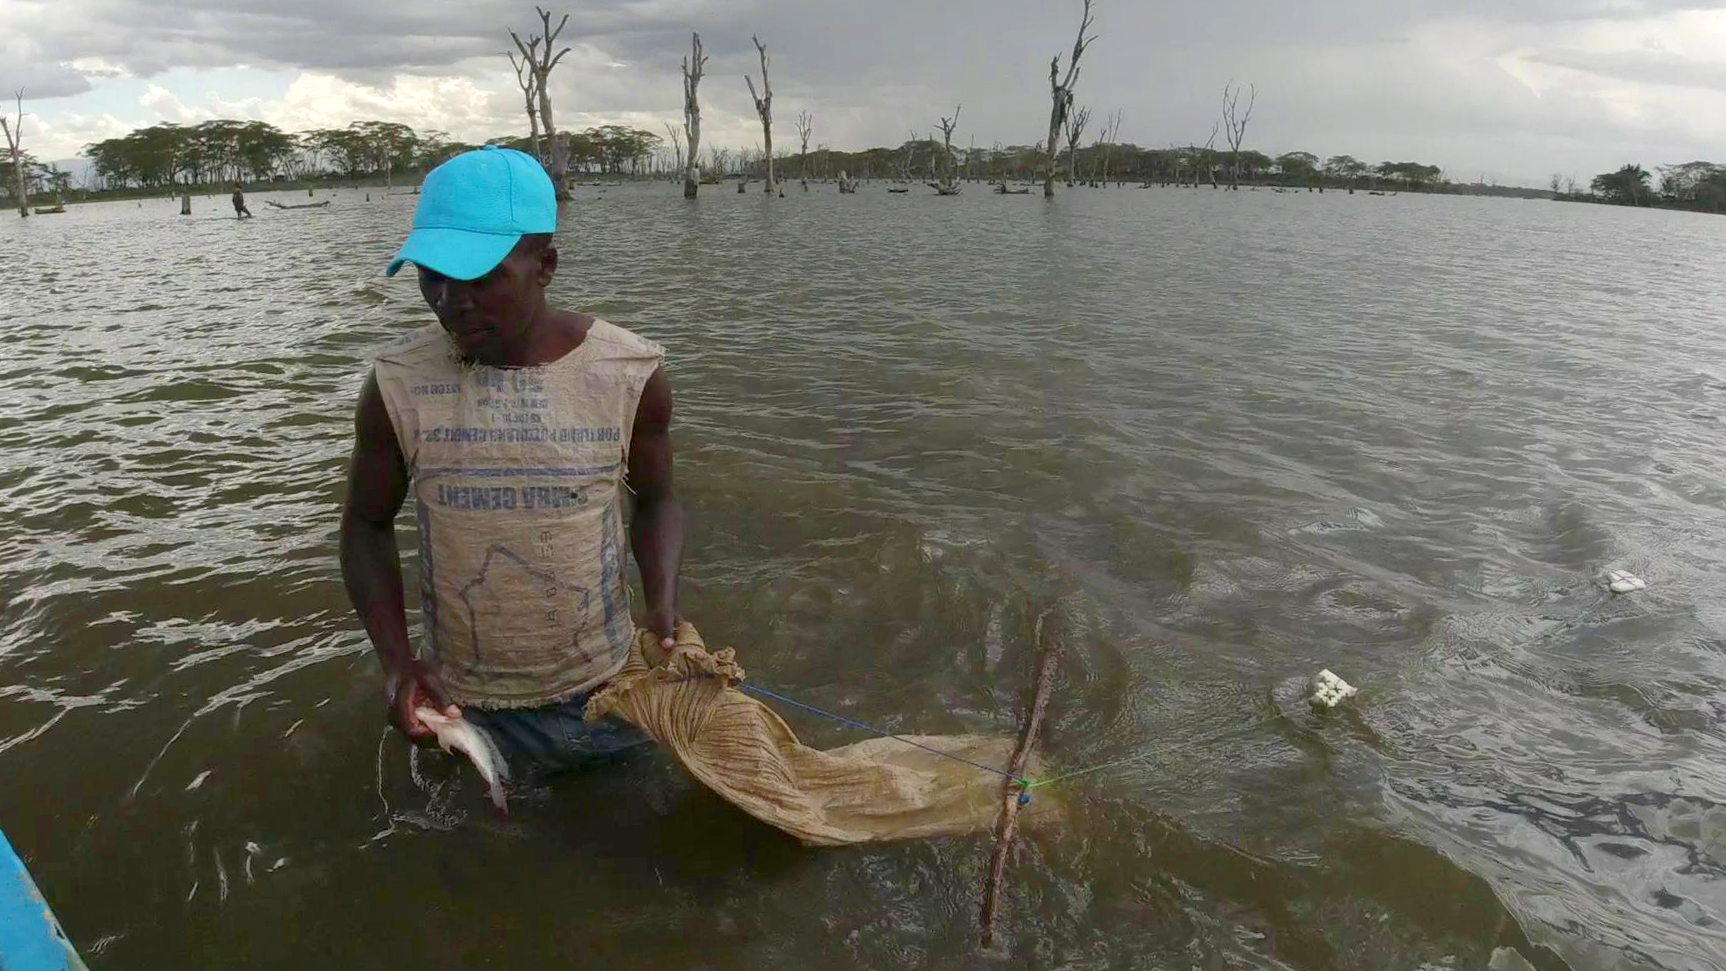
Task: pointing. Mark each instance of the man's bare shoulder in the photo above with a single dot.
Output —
(612, 341)
(428, 343)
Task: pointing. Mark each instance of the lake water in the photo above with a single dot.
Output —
(1233, 438)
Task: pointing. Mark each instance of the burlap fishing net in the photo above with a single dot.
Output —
(879, 789)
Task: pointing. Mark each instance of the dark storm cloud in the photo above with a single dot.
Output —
(42, 79)
(853, 39)
(373, 37)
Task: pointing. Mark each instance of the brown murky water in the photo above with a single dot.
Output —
(1246, 436)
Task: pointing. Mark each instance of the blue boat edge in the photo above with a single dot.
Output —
(31, 939)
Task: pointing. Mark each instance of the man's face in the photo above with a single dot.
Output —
(494, 312)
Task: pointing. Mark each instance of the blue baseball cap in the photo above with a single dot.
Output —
(474, 208)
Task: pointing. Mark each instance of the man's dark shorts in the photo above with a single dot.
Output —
(553, 738)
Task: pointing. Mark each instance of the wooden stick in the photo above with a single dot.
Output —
(1007, 825)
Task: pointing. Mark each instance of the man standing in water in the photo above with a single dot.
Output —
(240, 210)
(519, 427)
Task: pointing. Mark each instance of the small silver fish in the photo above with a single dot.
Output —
(461, 735)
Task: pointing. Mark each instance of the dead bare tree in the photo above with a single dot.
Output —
(1075, 126)
(692, 66)
(948, 181)
(14, 148)
(764, 108)
(524, 77)
(676, 148)
(805, 125)
(745, 156)
(1106, 142)
(1235, 127)
(541, 66)
(1207, 158)
(1061, 97)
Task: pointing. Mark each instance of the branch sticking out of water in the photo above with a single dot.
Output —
(1012, 791)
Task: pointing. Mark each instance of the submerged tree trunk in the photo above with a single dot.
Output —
(1061, 98)
(524, 77)
(542, 68)
(1075, 128)
(185, 202)
(1236, 127)
(1106, 142)
(948, 178)
(676, 169)
(805, 126)
(1057, 117)
(23, 188)
(692, 66)
(559, 150)
(15, 146)
(764, 108)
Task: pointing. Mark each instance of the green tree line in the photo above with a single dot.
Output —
(40, 180)
(1700, 186)
(921, 158)
(223, 151)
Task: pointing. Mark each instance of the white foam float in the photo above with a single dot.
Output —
(1623, 581)
(1328, 690)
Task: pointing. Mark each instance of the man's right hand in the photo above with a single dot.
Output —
(413, 684)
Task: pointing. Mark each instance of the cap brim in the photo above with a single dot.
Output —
(455, 253)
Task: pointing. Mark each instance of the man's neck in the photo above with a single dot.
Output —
(552, 335)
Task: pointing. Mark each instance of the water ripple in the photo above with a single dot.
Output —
(1243, 435)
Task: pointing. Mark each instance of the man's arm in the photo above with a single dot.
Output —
(656, 530)
(372, 566)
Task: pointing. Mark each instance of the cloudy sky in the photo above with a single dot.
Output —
(1510, 89)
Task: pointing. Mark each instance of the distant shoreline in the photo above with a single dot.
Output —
(321, 187)
(1656, 202)
(325, 186)
(215, 190)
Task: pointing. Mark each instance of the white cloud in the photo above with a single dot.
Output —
(458, 104)
(96, 67)
(67, 134)
(1658, 84)
(453, 104)
(168, 107)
